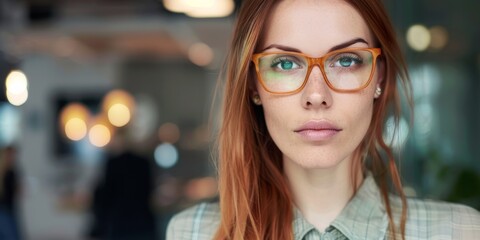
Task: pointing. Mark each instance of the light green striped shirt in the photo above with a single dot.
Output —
(364, 217)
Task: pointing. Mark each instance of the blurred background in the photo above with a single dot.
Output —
(88, 85)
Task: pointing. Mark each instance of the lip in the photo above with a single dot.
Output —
(317, 130)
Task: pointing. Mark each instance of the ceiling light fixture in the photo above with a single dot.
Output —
(201, 8)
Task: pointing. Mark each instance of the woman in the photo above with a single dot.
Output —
(301, 153)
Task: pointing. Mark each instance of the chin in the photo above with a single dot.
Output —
(326, 162)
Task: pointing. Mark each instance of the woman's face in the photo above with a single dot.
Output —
(317, 127)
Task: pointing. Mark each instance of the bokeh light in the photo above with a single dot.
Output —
(210, 8)
(73, 110)
(73, 121)
(99, 135)
(16, 85)
(119, 106)
(17, 99)
(201, 8)
(439, 37)
(16, 82)
(201, 188)
(75, 129)
(166, 155)
(177, 6)
(169, 132)
(200, 54)
(119, 115)
(418, 37)
(9, 124)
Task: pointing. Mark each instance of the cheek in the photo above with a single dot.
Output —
(278, 113)
(358, 116)
(274, 113)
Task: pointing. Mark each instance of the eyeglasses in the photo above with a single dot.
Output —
(344, 70)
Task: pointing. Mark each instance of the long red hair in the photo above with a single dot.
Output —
(255, 202)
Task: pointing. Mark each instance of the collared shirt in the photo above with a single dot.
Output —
(364, 217)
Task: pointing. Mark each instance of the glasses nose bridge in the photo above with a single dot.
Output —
(312, 62)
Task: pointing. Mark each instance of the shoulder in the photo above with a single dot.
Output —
(436, 211)
(436, 219)
(198, 222)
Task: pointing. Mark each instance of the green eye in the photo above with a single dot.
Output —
(286, 65)
(346, 62)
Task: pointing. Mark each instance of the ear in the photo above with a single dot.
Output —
(252, 87)
(380, 77)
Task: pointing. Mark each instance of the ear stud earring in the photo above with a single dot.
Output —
(378, 92)
(256, 99)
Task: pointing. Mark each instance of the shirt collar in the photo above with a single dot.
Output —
(300, 225)
(363, 216)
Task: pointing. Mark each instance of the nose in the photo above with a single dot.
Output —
(316, 93)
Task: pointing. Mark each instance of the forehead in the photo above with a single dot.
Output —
(314, 26)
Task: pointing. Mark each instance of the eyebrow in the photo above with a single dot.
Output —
(336, 47)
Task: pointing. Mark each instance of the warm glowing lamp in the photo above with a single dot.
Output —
(16, 82)
(73, 121)
(201, 8)
(17, 99)
(99, 135)
(75, 129)
(119, 115)
(119, 106)
(16, 85)
(100, 131)
(418, 37)
(210, 8)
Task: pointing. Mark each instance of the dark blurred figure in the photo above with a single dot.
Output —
(9, 189)
(122, 201)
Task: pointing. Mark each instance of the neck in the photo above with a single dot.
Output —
(321, 194)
